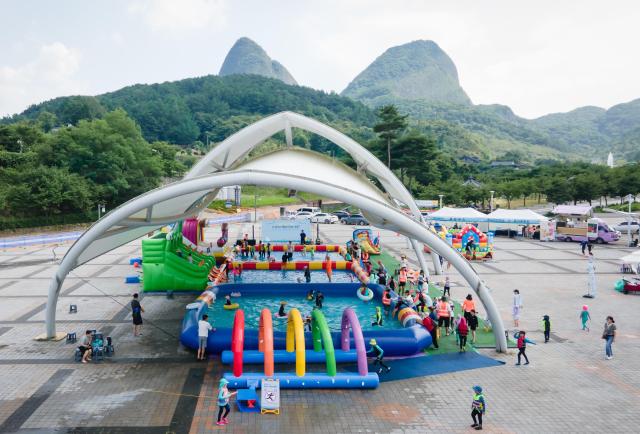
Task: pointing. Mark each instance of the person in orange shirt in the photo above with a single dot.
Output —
(328, 267)
(467, 306)
(402, 279)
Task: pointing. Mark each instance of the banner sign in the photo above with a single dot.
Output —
(284, 230)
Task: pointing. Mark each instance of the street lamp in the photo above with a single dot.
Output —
(441, 196)
(491, 201)
(629, 198)
(101, 209)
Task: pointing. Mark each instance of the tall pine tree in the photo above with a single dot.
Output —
(389, 127)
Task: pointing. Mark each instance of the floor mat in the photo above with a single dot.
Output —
(412, 367)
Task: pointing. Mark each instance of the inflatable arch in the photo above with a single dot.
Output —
(350, 322)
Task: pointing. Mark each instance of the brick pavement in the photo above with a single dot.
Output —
(568, 386)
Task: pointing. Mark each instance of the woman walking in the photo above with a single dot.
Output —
(609, 335)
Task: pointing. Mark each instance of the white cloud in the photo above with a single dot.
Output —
(51, 73)
(178, 16)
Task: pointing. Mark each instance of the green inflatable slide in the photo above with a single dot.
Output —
(165, 266)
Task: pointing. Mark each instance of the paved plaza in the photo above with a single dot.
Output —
(153, 385)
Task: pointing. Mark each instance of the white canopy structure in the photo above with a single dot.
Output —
(516, 216)
(292, 168)
(447, 214)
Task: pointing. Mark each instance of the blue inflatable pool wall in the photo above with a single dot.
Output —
(395, 342)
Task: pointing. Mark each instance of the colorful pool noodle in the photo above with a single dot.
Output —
(292, 266)
(207, 297)
(294, 341)
(300, 247)
(322, 338)
(350, 321)
(265, 341)
(407, 315)
(360, 273)
(237, 342)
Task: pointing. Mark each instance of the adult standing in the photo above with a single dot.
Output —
(467, 306)
(447, 287)
(444, 314)
(609, 335)
(136, 314)
(328, 265)
(516, 308)
(203, 335)
(303, 237)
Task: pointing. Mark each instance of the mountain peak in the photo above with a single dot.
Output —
(419, 70)
(247, 57)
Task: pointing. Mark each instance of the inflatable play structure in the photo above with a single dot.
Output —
(293, 265)
(296, 352)
(482, 243)
(193, 230)
(405, 341)
(165, 265)
(364, 237)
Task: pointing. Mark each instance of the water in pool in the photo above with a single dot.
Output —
(266, 276)
(332, 309)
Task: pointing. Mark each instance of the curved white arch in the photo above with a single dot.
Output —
(229, 153)
(204, 184)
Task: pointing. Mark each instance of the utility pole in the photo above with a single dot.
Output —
(101, 208)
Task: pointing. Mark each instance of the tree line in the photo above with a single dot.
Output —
(46, 172)
(419, 158)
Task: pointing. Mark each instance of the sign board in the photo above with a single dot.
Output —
(270, 396)
(284, 230)
(592, 228)
(548, 230)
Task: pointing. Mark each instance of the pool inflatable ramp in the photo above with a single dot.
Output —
(166, 265)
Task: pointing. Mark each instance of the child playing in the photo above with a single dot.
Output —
(473, 325)
(377, 318)
(281, 312)
(478, 407)
(463, 331)
(227, 300)
(378, 353)
(223, 402)
(546, 326)
(585, 317)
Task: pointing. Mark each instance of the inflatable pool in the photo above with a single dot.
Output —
(395, 339)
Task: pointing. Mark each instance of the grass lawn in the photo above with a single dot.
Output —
(447, 344)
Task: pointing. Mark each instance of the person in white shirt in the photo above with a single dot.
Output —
(516, 308)
(404, 262)
(203, 335)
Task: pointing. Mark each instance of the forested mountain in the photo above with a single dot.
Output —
(247, 57)
(417, 77)
(184, 111)
(422, 81)
(419, 70)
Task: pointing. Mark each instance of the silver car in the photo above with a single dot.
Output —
(624, 227)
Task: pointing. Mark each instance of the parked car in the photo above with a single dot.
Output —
(304, 215)
(624, 227)
(323, 217)
(355, 219)
(341, 214)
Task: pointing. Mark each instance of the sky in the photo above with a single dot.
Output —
(537, 57)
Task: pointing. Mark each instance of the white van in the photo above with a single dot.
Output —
(312, 209)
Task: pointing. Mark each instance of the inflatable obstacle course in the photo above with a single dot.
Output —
(295, 345)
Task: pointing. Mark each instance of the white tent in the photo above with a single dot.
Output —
(447, 214)
(631, 259)
(516, 216)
